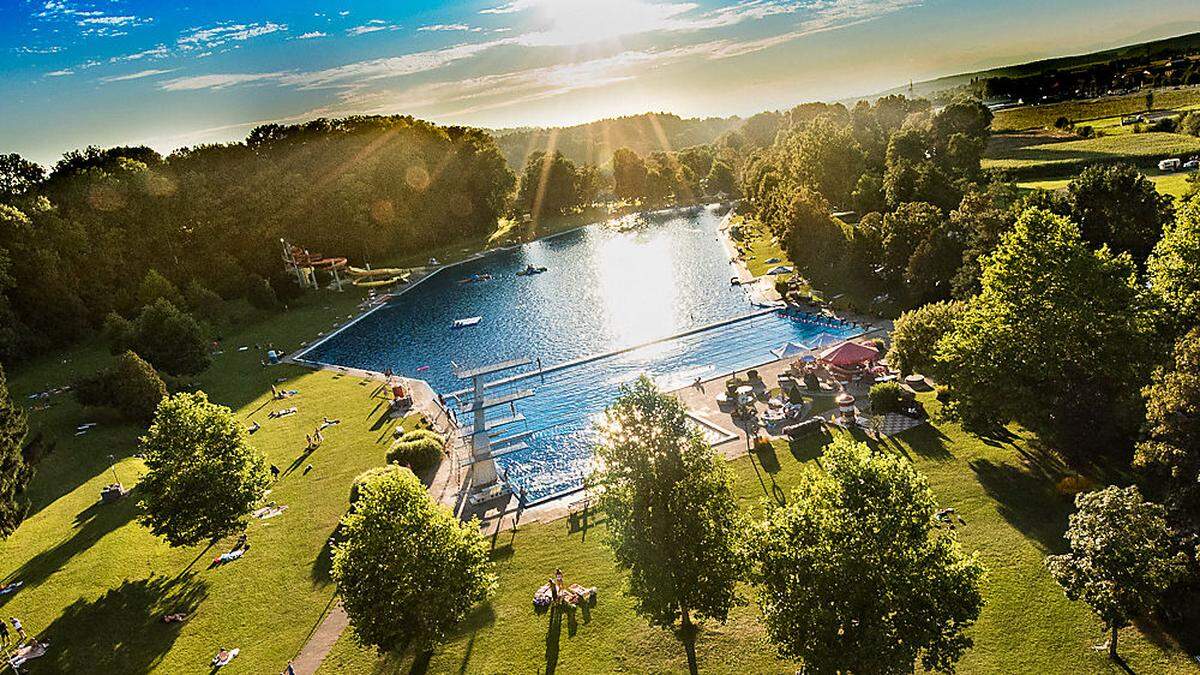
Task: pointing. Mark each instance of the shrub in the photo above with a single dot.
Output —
(203, 302)
(781, 286)
(170, 339)
(360, 479)
(886, 397)
(260, 294)
(117, 332)
(131, 386)
(1190, 124)
(418, 450)
(155, 286)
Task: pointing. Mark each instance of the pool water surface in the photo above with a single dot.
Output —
(648, 283)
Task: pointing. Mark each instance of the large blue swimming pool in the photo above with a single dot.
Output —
(607, 287)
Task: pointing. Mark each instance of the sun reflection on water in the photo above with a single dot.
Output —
(636, 285)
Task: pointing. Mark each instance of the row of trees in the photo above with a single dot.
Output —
(78, 243)
(913, 174)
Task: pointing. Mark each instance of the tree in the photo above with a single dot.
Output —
(170, 339)
(550, 186)
(155, 286)
(1190, 124)
(202, 477)
(407, 571)
(673, 521)
(1169, 456)
(721, 179)
(131, 386)
(1056, 338)
(1173, 269)
(916, 335)
(1118, 206)
(629, 174)
(117, 332)
(18, 176)
(1120, 560)
(15, 473)
(852, 577)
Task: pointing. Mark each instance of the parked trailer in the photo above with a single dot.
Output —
(1169, 165)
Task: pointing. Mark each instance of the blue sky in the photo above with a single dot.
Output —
(168, 74)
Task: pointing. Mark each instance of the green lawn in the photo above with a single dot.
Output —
(1173, 184)
(1004, 488)
(1036, 156)
(758, 246)
(1087, 112)
(96, 582)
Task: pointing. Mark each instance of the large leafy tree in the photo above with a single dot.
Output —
(916, 334)
(551, 185)
(629, 174)
(852, 576)
(14, 472)
(673, 521)
(1118, 206)
(1120, 560)
(407, 570)
(1055, 339)
(1169, 456)
(203, 477)
(1173, 269)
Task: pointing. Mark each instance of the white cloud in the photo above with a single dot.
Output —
(451, 27)
(150, 72)
(156, 52)
(222, 33)
(53, 49)
(60, 73)
(216, 81)
(372, 26)
(310, 35)
(111, 20)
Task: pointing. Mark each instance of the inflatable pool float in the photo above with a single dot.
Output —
(463, 323)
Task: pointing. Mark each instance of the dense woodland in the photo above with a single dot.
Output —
(114, 230)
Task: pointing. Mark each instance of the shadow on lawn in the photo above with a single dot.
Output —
(121, 631)
(1027, 500)
(91, 525)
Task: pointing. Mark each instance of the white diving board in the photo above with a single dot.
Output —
(494, 401)
(467, 432)
(516, 447)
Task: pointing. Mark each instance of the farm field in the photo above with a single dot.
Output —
(1174, 184)
(1039, 155)
(1089, 111)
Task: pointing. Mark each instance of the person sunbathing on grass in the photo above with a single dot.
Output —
(326, 423)
(224, 656)
(282, 413)
(178, 617)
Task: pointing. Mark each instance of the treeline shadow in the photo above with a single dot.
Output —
(1028, 500)
(121, 631)
(91, 525)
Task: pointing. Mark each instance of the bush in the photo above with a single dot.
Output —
(170, 339)
(260, 294)
(781, 286)
(418, 450)
(1190, 124)
(131, 386)
(367, 475)
(117, 332)
(155, 286)
(203, 302)
(886, 397)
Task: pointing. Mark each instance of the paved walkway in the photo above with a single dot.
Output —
(313, 654)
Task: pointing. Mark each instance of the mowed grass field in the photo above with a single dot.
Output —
(1033, 155)
(97, 582)
(1173, 184)
(1089, 111)
(1003, 488)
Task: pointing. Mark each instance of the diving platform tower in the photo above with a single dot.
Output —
(486, 433)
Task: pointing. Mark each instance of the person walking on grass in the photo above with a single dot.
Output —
(3, 634)
(16, 623)
(289, 670)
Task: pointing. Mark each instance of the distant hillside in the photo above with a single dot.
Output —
(595, 142)
(928, 88)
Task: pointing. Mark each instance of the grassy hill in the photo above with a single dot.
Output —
(595, 142)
